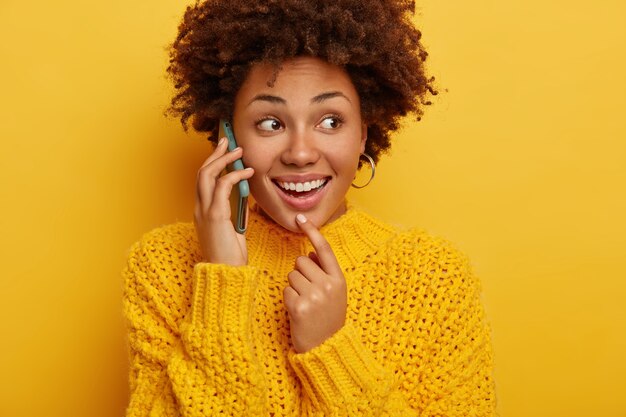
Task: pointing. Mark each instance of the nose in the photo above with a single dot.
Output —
(301, 149)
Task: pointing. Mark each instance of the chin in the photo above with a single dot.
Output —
(287, 218)
(287, 222)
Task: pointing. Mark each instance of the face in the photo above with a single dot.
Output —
(302, 136)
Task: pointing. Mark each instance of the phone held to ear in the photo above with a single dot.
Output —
(239, 194)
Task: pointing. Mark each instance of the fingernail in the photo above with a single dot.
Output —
(221, 141)
(301, 218)
(236, 149)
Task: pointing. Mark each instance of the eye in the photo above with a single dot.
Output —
(331, 122)
(269, 125)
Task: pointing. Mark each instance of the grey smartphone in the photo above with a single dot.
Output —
(239, 194)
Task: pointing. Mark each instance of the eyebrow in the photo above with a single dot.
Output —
(327, 96)
(320, 98)
(268, 98)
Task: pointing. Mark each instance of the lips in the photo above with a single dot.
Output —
(301, 187)
(301, 193)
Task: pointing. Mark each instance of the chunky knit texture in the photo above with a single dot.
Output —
(210, 340)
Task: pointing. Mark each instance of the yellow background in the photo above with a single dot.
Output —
(521, 163)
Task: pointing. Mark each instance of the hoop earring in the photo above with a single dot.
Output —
(373, 165)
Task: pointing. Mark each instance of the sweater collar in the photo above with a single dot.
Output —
(353, 236)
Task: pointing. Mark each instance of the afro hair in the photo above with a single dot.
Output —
(374, 41)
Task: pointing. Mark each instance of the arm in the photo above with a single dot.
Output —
(342, 377)
(445, 367)
(339, 375)
(190, 360)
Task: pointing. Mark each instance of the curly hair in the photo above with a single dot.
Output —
(374, 41)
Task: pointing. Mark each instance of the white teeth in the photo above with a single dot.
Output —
(302, 186)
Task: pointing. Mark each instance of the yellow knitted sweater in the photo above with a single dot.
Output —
(208, 339)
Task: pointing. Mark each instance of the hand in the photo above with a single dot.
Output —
(219, 241)
(316, 298)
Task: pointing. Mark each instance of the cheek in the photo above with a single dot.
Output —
(344, 163)
(262, 164)
(256, 158)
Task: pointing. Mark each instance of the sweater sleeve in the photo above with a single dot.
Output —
(444, 369)
(341, 377)
(202, 363)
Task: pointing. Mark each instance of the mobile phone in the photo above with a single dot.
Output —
(239, 194)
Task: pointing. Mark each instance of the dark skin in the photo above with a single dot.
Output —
(316, 297)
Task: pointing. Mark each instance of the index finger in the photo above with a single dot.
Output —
(322, 248)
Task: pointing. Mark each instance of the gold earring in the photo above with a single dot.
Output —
(373, 165)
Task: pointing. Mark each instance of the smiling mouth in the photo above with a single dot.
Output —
(302, 189)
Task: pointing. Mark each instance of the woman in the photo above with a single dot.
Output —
(319, 309)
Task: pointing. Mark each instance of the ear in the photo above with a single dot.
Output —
(363, 137)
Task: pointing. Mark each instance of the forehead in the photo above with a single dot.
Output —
(303, 77)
